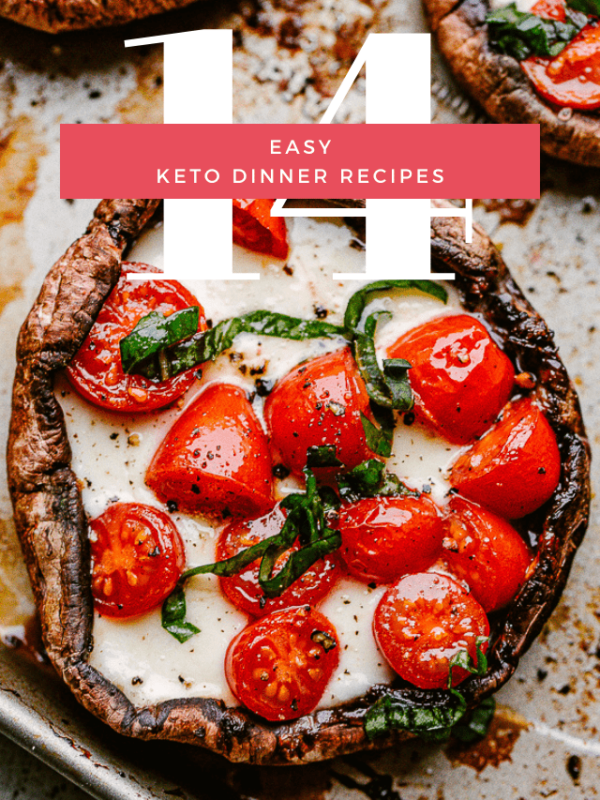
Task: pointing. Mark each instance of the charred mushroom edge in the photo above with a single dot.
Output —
(501, 87)
(53, 530)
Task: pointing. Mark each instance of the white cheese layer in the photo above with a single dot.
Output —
(522, 5)
(111, 453)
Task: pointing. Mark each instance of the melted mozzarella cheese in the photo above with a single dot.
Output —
(522, 5)
(111, 453)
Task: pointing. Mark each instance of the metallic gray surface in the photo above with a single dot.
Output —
(547, 725)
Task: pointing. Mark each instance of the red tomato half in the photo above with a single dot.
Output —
(460, 377)
(422, 622)
(572, 78)
(319, 403)
(384, 538)
(487, 552)
(215, 459)
(279, 665)
(137, 558)
(96, 370)
(515, 467)
(255, 229)
(243, 589)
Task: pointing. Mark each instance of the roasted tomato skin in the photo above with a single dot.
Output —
(279, 665)
(243, 589)
(319, 403)
(550, 9)
(384, 538)
(515, 467)
(486, 552)
(422, 622)
(572, 78)
(460, 377)
(215, 459)
(255, 229)
(137, 558)
(96, 370)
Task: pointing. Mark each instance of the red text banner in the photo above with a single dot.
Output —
(378, 161)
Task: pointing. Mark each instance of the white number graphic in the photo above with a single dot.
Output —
(198, 80)
(198, 90)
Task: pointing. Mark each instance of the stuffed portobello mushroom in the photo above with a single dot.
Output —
(70, 15)
(279, 537)
(529, 62)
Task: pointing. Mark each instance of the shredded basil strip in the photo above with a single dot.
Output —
(153, 333)
(432, 723)
(379, 439)
(590, 7)
(207, 345)
(521, 34)
(322, 456)
(474, 726)
(306, 521)
(359, 300)
(173, 616)
(388, 387)
(370, 479)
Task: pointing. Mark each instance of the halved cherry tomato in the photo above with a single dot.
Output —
(515, 467)
(572, 78)
(487, 552)
(243, 589)
(460, 377)
(384, 538)
(422, 622)
(96, 370)
(215, 459)
(319, 403)
(137, 558)
(279, 665)
(255, 229)
(550, 9)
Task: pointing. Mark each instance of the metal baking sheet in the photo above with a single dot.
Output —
(289, 57)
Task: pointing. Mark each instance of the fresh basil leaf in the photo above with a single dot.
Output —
(358, 301)
(154, 333)
(363, 348)
(589, 7)
(296, 565)
(379, 437)
(207, 345)
(432, 723)
(387, 388)
(173, 616)
(395, 371)
(370, 479)
(306, 521)
(475, 725)
(522, 34)
(463, 660)
(322, 456)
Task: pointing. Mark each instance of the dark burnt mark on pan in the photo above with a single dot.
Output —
(517, 211)
(377, 787)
